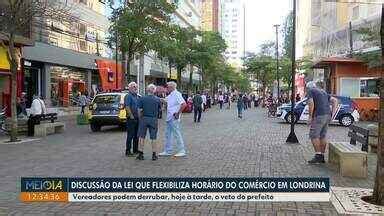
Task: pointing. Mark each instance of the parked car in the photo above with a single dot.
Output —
(107, 109)
(346, 112)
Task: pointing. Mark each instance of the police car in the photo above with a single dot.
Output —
(107, 109)
(346, 112)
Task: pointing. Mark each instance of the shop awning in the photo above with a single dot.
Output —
(332, 60)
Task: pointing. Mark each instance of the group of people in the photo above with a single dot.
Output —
(142, 116)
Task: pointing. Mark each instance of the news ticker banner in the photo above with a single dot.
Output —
(105, 189)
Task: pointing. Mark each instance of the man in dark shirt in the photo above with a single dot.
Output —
(149, 110)
(197, 107)
(320, 114)
(130, 103)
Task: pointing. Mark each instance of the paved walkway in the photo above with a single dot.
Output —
(221, 146)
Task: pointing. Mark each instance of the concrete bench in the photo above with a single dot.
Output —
(45, 129)
(351, 159)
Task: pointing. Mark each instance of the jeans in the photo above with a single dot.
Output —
(197, 113)
(173, 129)
(239, 111)
(221, 104)
(132, 139)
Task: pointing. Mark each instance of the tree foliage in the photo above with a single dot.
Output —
(370, 36)
(17, 18)
(138, 26)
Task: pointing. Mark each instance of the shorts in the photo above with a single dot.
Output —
(149, 123)
(319, 127)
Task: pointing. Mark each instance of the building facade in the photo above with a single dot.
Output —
(333, 26)
(70, 57)
(232, 29)
(210, 15)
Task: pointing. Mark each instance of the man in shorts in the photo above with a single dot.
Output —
(149, 109)
(320, 114)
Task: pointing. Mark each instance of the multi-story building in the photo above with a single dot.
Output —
(232, 30)
(333, 24)
(70, 57)
(210, 15)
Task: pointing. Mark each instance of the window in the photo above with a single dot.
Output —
(359, 87)
(349, 87)
(82, 29)
(83, 45)
(355, 13)
(369, 88)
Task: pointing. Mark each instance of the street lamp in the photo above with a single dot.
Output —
(277, 63)
(292, 138)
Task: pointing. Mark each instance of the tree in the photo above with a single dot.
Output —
(138, 26)
(16, 19)
(209, 51)
(370, 36)
(178, 47)
(287, 32)
(263, 65)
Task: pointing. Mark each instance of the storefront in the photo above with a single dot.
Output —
(5, 80)
(59, 74)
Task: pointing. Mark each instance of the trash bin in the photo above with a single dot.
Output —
(82, 119)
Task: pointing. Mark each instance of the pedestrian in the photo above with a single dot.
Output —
(130, 103)
(221, 100)
(204, 105)
(82, 102)
(229, 98)
(197, 107)
(37, 110)
(240, 106)
(148, 107)
(22, 105)
(209, 101)
(245, 101)
(175, 106)
(320, 114)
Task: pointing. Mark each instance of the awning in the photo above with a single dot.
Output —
(332, 60)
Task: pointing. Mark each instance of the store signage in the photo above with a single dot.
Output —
(90, 37)
(110, 75)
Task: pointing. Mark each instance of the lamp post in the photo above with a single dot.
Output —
(292, 138)
(277, 63)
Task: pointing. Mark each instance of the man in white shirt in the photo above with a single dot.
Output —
(37, 109)
(204, 101)
(175, 106)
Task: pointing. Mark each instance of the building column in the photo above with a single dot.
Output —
(46, 84)
(89, 83)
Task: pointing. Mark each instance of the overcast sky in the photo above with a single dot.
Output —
(261, 15)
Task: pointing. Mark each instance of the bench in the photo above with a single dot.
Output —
(44, 129)
(351, 159)
(48, 117)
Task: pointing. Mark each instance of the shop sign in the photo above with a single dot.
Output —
(110, 75)
(90, 36)
(4, 63)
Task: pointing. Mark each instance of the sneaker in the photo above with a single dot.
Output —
(140, 156)
(128, 154)
(317, 159)
(154, 157)
(164, 154)
(180, 154)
